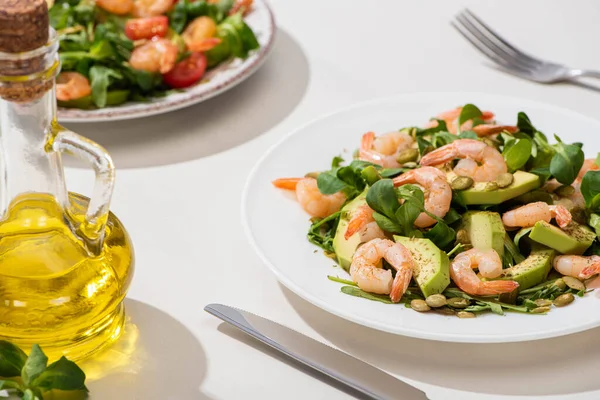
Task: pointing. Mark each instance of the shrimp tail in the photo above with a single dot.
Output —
(590, 270)
(407, 177)
(440, 156)
(361, 217)
(400, 284)
(563, 216)
(490, 288)
(286, 183)
(490, 129)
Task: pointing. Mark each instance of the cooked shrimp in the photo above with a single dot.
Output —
(438, 193)
(310, 198)
(461, 272)
(72, 86)
(491, 129)
(241, 5)
(527, 215)
(371, 278)
(362, 222)
(577, 266)
(119, 7)
(383, 150)
(151, 8)
(481, 162)
(199, 34)
(589, 164)
(450, 117)
(157, 55)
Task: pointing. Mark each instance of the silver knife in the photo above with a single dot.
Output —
(350, 371)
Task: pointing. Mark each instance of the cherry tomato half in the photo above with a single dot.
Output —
(186, 72)
(147, 28)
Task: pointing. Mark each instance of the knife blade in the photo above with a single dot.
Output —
(348, 370)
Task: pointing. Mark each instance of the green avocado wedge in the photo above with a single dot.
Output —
(573, 239)
(523, 182)
(533, 270)
(345, 248)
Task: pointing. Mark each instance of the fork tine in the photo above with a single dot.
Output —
(509, 57)
(488, 53)
(494, 36)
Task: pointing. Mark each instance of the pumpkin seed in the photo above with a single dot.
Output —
(407, 155)
(574, 283)
(565, 190)
(465, 314)
(419, 305)
(461, 183)
(504, 180)
(560, 283)
(312, 175)
(490, 187)
(540, 310)
(443, 311)
(462, 236)
(410, 165)
(489, 142)
(543, 302)
(564, 299)
(436, 300)
(458, 302)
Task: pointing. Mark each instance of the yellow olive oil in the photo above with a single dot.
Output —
(53, 291)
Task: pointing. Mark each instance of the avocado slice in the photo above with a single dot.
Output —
(523, 182)
(485, 230)
(432, 272)
(533, 270)
(573, 239)
(345, 249)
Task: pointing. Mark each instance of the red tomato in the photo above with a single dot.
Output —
(147, 28)
(186, 72)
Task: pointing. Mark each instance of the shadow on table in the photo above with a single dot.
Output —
(457, 365)
(155, 358)
(215, 125)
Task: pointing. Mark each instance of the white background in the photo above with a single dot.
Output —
(180, 180)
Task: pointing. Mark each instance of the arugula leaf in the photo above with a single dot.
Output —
(590, 189)
(322, 231)
(61, 375)
(34, 366)
(566, 163)
(12, 359)
(517, 153)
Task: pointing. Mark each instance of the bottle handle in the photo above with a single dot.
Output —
(92, 228)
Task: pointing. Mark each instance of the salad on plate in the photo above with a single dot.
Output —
(462, 216)
(114, 51)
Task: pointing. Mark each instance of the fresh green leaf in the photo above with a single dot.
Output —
(35, 365)
(594, 222)
(441, 234)
(179, 16)
(424, 145)
(496, 308)
(517, 155)
(440, 127)
(391, 172)
(381, 197)
(322, 231)
(387, 224)
(520, 235)
(511, 249)
(336, 162)
(340, 280)
(356, 292)
(12, 359)
(524, 124)
(7, 385)
(566, 163)
(406, 216)
(452, 216)
(100, 79)
(329, 183)
(468, 112)
(29, 395)
(468, 135)
(61, 375)
(590, 189)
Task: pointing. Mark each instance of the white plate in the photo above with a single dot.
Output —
(277, 226)
(216, 81)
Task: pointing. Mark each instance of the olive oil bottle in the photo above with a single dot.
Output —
(66, 262)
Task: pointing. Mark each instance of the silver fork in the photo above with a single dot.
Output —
(509, 58)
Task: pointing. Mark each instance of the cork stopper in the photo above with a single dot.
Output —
(24, 25)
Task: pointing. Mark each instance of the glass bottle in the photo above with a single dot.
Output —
(66, 262)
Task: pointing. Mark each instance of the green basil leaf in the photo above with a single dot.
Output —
(34, 366)
(12, 359)
(517, 155)
(590, 188)
(329, 183)
(387, 224)
(61, 375)
(524, 124)
(566, 163)
(469, 111)
(382, 198)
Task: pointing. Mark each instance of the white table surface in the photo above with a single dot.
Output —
(180, 180)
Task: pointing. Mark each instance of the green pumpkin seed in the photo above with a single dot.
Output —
(410, 165)
(462, 183)
(436, 300)
(458, 302)
(462, 236)
(543, 302)
(465, 314)
(407, 155)
(565, 190)
(490, 187)
(489, 142)
(443, 311)
(574, 283)
(564, 299)
(419, 305)
(560, 283)
(312, 175)
(505, 180)
(540, 310)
